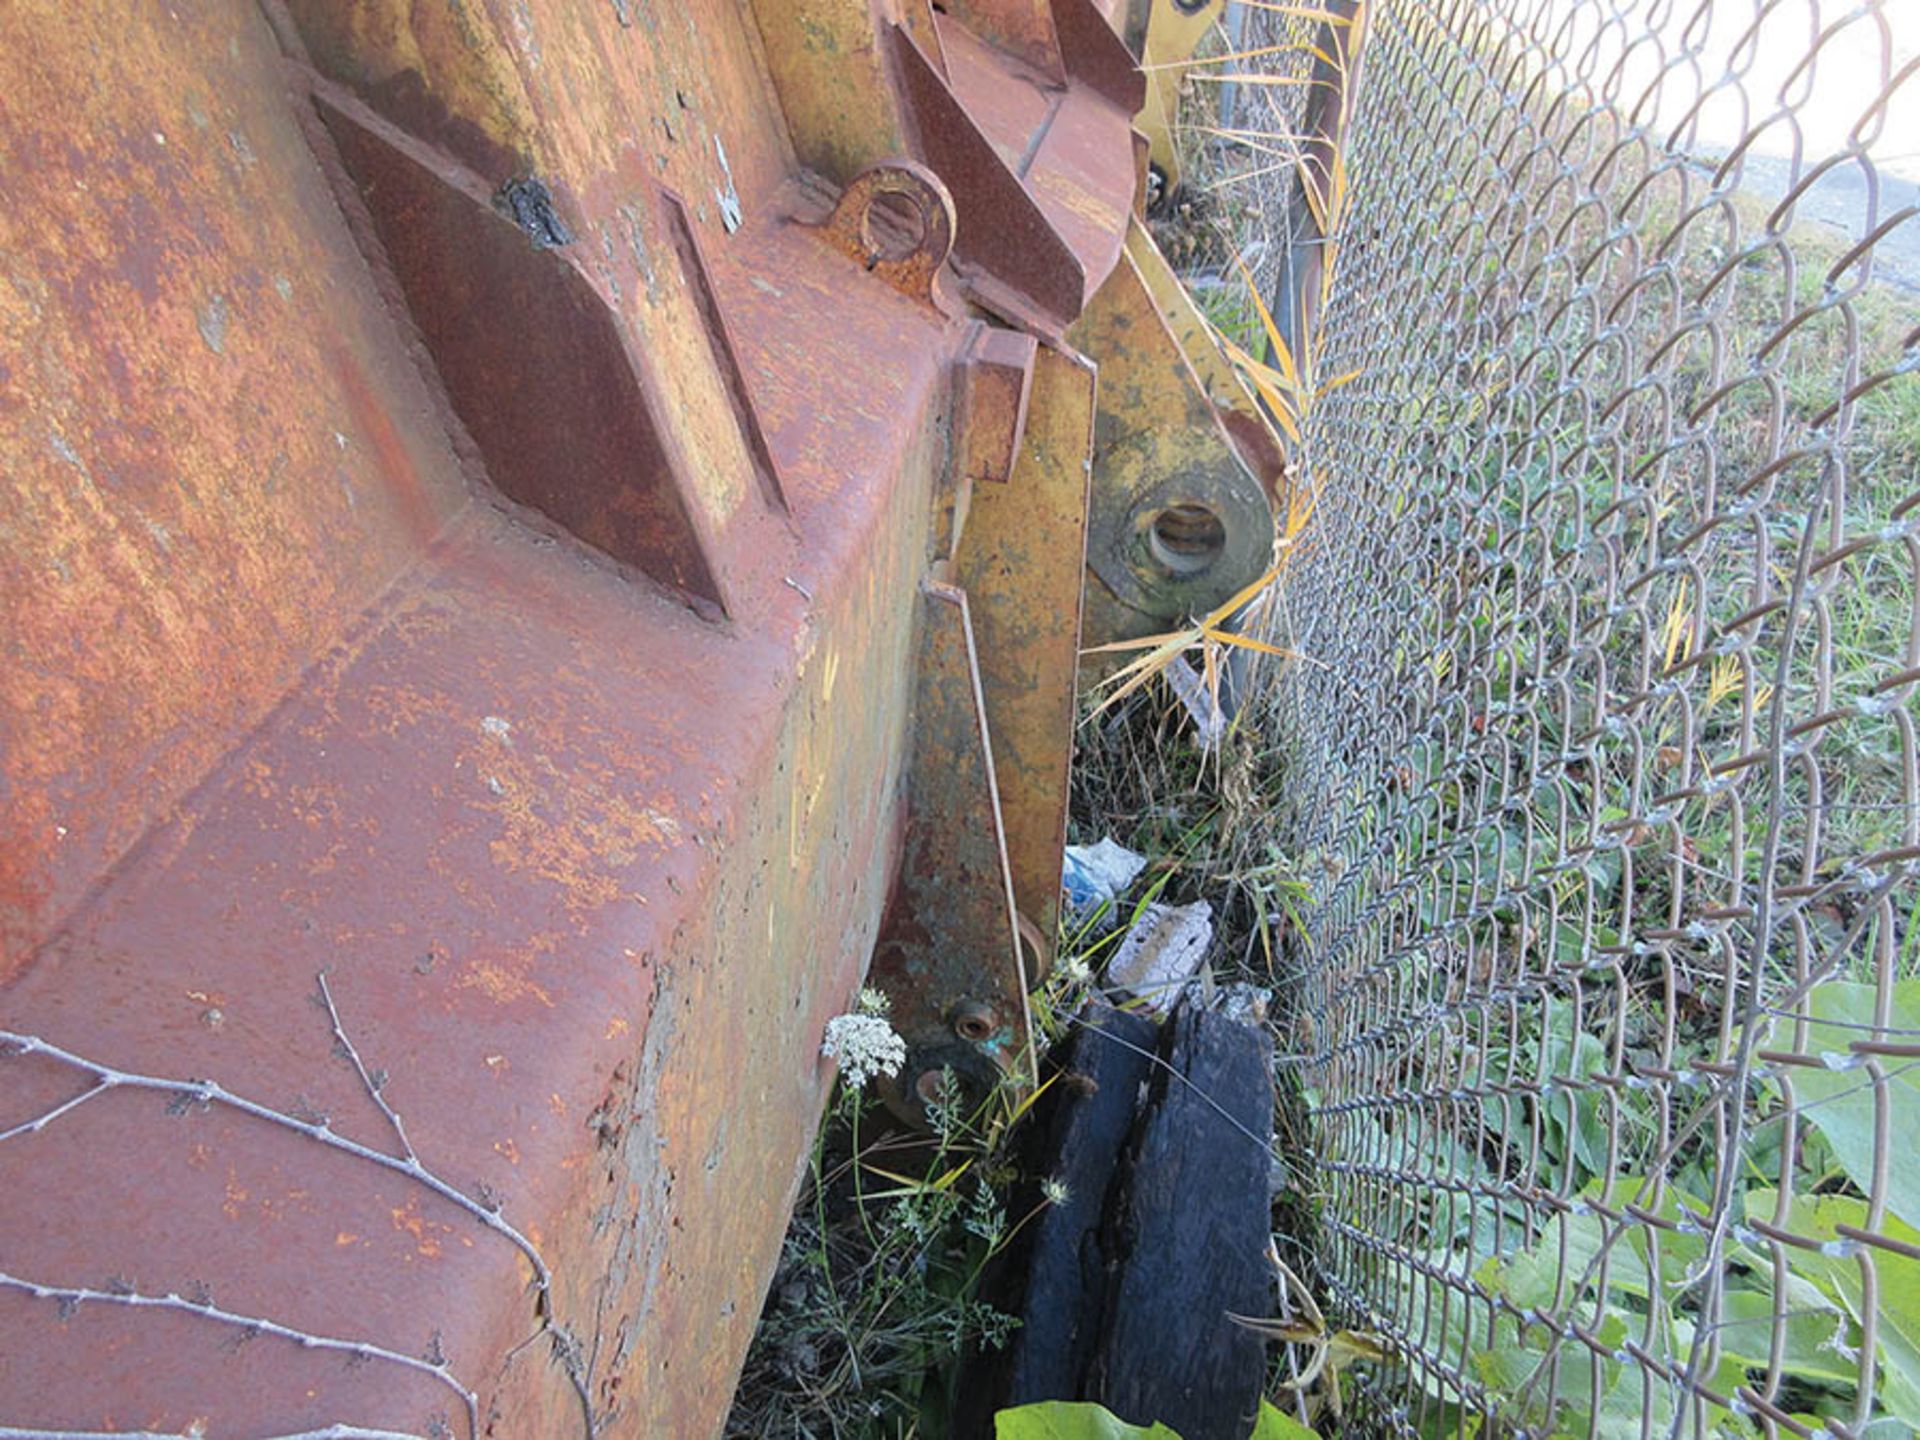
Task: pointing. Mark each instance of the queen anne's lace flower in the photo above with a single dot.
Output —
(865, 1046)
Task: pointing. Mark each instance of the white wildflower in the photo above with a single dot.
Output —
(865, 1045)
(872, 1002)
(1074, 969)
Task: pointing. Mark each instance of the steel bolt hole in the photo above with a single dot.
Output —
(894, 227)
(975, 1023)
(1186, 538)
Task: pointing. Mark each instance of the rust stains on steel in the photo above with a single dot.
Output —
(726, 349)
(948, 953)
(896, 219)
(560, 623)
(996, 389)
(532, 356)
(1017, 264)
(204, 415)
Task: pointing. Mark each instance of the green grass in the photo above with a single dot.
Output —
(876, 1295)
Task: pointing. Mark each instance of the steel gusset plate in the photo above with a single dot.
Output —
(1179, 523)
(1022, 560)
(948, 953)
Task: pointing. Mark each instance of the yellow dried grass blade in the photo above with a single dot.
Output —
(1232, 55)
(1143, 668)
(1282, 411)
(1241, 599)
(1283, 399)
(1247, 642)
(1255, 139)
(1678, 630)
(1304, 12)
(1145, 642)
(1282, 352)
(1027, 1101)
(911, 1186)
(1239, 77)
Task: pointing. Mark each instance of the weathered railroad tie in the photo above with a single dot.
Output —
(539, 539)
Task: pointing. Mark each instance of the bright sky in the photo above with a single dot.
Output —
(1867, 42)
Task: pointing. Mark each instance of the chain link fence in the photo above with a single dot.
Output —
(1602, 770)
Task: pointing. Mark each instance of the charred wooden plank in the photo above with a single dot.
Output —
(1159, 1137)
(1187, 1232)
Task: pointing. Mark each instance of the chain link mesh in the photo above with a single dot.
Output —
(1601, 763)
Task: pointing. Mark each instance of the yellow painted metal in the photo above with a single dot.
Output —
(1172, 37)
(1021, 560)
(949, 950)
(1221, 382)
(826, 61)
(1253, 434)
(1179, 522)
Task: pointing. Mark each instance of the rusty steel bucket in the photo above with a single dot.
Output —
(540, 541)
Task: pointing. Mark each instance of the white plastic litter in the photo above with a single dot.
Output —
(1159, 955)
(1209, 720)
(1097, 874)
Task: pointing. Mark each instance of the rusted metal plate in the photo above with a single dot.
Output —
(1008, 101)
(1065, 142)
(726, 348)
(996, 389)
(948, 953)
(531, 354)
(991, 392)
(215, 454)
(587, 874)
(1050, 164)
(370, 517)
(1022, 561)
(1022, 28)
(1096, 55)
(524, 851)
(1026, 269)
(1082, 176)
(895, 219)
(616, 113)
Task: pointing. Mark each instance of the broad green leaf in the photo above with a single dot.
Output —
(1841, 1102)
(1458, 1330)
(1548, 1272)
(1839, 1277)
(1071, 1420)
(1560, 1399)
(1529, 1277)
(1276, 1424)
(1679, 1249)
(1817, 1332)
